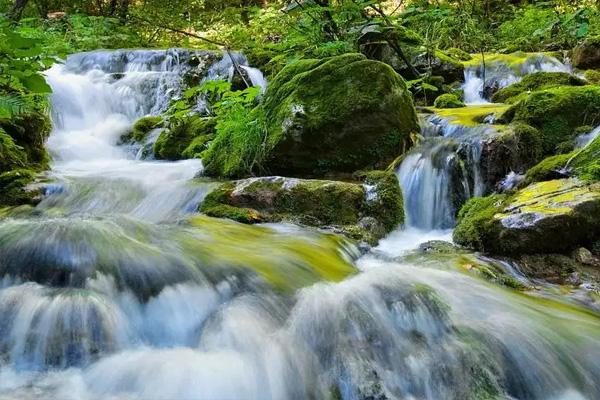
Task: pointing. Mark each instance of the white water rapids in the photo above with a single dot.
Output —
(107, 293)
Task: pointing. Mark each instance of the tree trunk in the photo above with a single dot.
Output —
(17, 10)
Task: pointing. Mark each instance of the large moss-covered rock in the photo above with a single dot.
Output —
(558, 112)
(14, 187)
(339, 114)
(363, 211)
(587, 54)
(550, 168)
(547, 217)
(184, 138)
(142, 127)
(28, 134)
(536, 81)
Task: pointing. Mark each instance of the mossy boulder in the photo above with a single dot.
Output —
(550, 168)
(592, 76)
(536, 81)
(547, 217)
(363, 211)
(440, 63)
(13, 187)
(28, 134)
(142, 127)
(587, 54)
(516, 148)
(448, 100)
(184, 137)
(558, 112)
(339, 114)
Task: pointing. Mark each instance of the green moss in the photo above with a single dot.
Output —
(388, 206)
(586, 162)
(12, 187)
(339, 114)
(592, 76)
(179, 135)
(548, 169)
(471, 115)
(361, 211)
(459, 54)
(536, 81)
(29, 132)
(476, 224)
(557, 112)
(197, 146)
(143, 126)
(448, 101)
(11, 155)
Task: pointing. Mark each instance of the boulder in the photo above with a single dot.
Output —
(548, 217)
(184, 138)
(515, 148)
(335, 115)
(587, 54)
(558, 112)
(585, 163)
(448, 101)
(536, 81)
(363, 211)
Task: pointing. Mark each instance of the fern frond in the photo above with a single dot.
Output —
(12, 105)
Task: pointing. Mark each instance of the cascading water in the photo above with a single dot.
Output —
(442, 172)
(500, 74)
(109, 289)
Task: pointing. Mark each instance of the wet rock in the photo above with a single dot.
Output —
(585, 257)
(340, 114)
(548, 217)
(439, 247)
(558, 112)
(587, 54)
(363, 211)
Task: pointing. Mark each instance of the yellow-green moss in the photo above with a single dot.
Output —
(471, 115)
(143, 126)
(514, 60)
(303, 258)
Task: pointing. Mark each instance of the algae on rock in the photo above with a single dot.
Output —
(547, 217)
(364, 211)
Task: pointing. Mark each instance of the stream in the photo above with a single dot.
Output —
(113, 287)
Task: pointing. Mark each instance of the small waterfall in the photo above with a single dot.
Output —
(500, 74)
(442, 172)
(585, 139)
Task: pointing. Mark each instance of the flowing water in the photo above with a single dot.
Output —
(499, 74)
(113, 288)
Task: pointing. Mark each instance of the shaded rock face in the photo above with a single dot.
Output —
(364, 211)
(587, 54)
(548, 217)
(340, 114)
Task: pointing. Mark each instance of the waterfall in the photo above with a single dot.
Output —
(442, 172)
(500, 74)
(113, 287)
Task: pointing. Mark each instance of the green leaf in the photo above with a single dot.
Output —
(35, 83)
